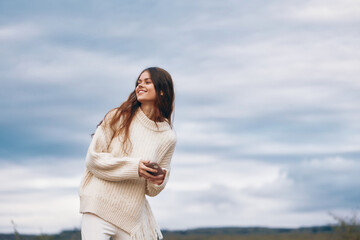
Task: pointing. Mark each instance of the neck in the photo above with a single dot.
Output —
(148, 109)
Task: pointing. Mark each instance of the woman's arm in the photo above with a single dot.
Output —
(154, 188)
(103, 164)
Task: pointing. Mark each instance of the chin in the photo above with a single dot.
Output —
(141, 100)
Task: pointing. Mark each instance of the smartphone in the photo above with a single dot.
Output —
(155, 166)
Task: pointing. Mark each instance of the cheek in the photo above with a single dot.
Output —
(153, 93)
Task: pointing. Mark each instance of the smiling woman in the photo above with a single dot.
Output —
(116, 179)
(145, 89)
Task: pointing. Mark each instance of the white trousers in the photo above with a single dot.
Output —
(95, 228)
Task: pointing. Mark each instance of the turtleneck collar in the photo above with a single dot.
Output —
(147, 122)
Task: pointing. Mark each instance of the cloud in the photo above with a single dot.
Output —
(341, 173)
(67, 65)
(315, 184)
(18, 32)
(327, 11)
(37, 191)
(285, 195)
(217, 191)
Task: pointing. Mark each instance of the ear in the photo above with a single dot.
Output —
(161, 93)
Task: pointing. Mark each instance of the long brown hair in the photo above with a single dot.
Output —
(164, 105)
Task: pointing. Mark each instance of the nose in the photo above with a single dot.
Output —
(138, 87)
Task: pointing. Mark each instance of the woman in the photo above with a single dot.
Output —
(116, 178)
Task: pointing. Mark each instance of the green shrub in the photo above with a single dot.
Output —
(347, 228)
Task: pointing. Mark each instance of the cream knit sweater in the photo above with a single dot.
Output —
(111, 187)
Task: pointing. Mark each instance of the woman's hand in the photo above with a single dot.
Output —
(144, 172)
(159, 179)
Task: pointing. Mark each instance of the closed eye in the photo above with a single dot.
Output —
(147, 81)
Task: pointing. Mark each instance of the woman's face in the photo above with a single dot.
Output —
(145, 90)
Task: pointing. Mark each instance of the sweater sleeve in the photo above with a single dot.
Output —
(103, 164)
(154, 189)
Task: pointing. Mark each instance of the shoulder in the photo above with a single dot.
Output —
(168, 141)
(170, 137)
(112, 116)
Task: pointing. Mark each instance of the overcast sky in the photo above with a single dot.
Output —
(267, 106)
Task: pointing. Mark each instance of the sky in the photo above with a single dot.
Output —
(267, 111)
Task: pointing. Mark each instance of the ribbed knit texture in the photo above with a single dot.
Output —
(111, 187)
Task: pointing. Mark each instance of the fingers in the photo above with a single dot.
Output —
(147, 175)
(150, 177)
(142, 166)
(149, 169)
(144, 172)
(159, 180)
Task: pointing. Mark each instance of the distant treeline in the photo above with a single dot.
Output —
(251, 230)
(223, 233)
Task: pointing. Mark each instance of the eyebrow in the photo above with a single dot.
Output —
(144, 79)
